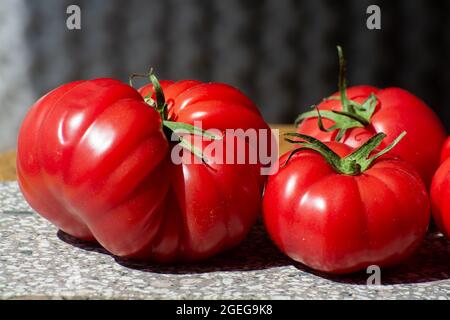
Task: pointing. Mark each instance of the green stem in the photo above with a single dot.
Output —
(179, 128)
(353, 114)
(161, 105)
(342, 82)
(353, 164)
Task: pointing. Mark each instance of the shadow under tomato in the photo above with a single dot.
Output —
(256, 252)
(430, 262)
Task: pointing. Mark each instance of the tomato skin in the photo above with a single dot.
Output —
(217, 105)
(445, 152)
(339, 223)
(440, 198)
(93, 159)
(397, 111)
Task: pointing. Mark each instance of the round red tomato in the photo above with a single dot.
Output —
(440, 198)
(445, 152)
(95, 160)
(340, 215)
(370, 110)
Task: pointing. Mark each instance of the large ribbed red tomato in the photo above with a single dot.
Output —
(93, 158)
(335, 211)
(394, 110)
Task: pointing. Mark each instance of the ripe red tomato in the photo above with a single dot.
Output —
(445, 152)
(217, 105)
(394, 110)
(440, 198)
(93, 158)
(340, 215)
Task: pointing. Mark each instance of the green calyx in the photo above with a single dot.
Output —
(159, 104)
(353, 114)
(177, 128)
(353, 164)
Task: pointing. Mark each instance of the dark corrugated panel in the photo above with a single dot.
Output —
(281, 53)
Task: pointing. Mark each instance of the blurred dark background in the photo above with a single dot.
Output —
(281, 53)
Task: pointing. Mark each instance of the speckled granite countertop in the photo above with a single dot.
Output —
(37, 261)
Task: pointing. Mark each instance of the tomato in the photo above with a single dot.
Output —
(95, 159)
(394, 110)
(217, 105)
(440, 198)
(335, 211)
(445, 152)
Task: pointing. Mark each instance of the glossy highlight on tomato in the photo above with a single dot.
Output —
(93, 159)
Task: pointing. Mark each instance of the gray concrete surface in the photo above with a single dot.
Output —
(37, 261)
